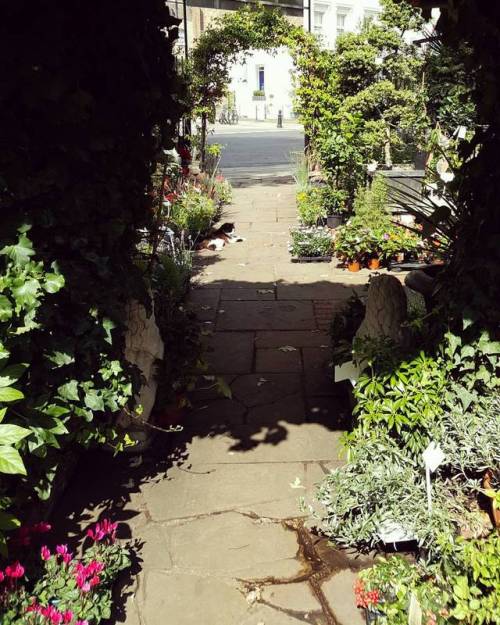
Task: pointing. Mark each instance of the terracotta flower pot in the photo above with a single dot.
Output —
(353, 265)
(373, 263)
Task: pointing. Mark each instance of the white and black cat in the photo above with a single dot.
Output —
(216, 239)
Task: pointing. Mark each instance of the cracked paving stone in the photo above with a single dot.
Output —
(234, 544)
(206, 489)
(182, 599)
(339, 592)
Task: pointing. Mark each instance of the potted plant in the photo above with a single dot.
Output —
(351, 245)
(311, 245)
(334, 204)
(310, 207)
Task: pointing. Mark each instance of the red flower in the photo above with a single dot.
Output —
(45, 553)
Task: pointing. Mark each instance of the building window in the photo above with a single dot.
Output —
(341, 21)
(261, 83)
(318, 21)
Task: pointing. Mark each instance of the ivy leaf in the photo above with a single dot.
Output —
(8, 394)
(11, 374)
(69, 391)
(8, 521)
(108, 325)
(5, 308)
(11, 434)
(21, 252)
(94, 401)
(53, 282)
(25, 294)
(61, 358)
(11, 461)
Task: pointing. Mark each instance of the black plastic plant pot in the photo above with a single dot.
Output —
(311, 259)
(334, 221)
(372, 616)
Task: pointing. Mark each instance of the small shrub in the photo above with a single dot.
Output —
(370, 205)
(193, 211)
(223, 191)
(310, 206)
(311, 242)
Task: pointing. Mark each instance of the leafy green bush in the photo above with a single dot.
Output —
(405, 400)
(464, 588)
(223, 191)
(310, 242)
(310, 206)
(193, 212)
(370, 205)
(382, 488)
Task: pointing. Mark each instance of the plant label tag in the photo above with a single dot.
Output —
(462, 132)
(347, 371)
(414, 611)
(433, 456)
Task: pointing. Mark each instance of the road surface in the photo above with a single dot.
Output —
(257, 149)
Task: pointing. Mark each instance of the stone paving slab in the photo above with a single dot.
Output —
(223, 528)
(247, 294)
(277, 360)
(272, 315)
(295, 338)
(234, 545)
(230, 352)
(201, 490)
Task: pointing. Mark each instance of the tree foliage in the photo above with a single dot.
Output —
(93, 97)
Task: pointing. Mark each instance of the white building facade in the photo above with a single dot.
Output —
(261, 83)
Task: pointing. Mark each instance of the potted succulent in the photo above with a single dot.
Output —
(314, 244)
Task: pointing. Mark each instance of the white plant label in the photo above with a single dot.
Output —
(414, 611)
(433, 456)
(347, 371)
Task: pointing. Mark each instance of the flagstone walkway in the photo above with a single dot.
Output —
(224, 537)
(213, 512)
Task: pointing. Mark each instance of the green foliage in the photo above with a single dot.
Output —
(193, 212)
(310, 242)
(405, 400)
(78, 151)
(310, 206)
(463, 590)
(370, 205)
(58, 588)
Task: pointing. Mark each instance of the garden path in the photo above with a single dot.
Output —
(224, 536)
(214, 510)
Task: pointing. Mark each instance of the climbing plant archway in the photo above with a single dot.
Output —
(232, 35)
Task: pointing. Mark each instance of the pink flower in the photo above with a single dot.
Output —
(94, 581)
(67, 616)
(61, 549)
(85, 587)
(45, 553)
(2, 576)
(103, 529)
(82, 623)
(67, 557)
(34, 607)
(15, 570)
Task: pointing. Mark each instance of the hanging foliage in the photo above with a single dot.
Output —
(93, 98)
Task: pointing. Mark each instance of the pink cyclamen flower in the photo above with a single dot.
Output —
(94, 581)
(67, 557)
(2, 576)
(45, 553)
(15, 571)
(61, 550)
(68, 616)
